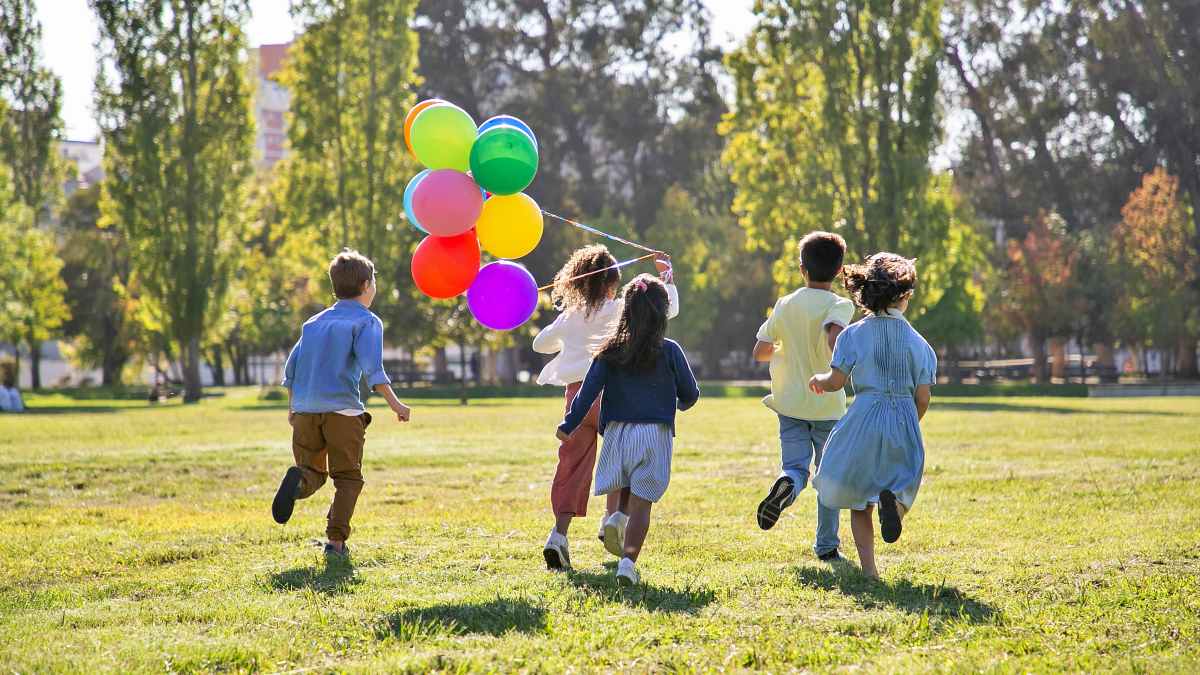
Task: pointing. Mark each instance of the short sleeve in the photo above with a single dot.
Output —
(766, 332)
(926, 364)
(844, 354)
(839, 313)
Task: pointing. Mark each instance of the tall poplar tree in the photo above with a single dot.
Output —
(173, 104)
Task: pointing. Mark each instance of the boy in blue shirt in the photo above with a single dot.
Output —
(337, 348)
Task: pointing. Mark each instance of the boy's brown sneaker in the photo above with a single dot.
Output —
(285, 498)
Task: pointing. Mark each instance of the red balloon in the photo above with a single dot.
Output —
(443, 267)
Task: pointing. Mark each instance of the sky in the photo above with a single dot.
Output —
(69, 36)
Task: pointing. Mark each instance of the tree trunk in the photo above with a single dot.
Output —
(952, 358)
(1037, 344)
(1058, 358)
(1106, 363)
(1186, 360)
(462, 376)
(35, 365)
(216, 364)
(192, 389)
(111, 367)
(440, 366)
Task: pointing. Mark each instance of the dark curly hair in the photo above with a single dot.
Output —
(637, 342)
(881, 281)
(586, 293)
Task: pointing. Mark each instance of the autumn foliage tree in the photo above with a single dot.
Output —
(1159, 269)
(1037, 294)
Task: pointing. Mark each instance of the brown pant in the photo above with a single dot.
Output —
(329, 444)
(576, 462)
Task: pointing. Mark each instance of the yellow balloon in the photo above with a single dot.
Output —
(510, 225)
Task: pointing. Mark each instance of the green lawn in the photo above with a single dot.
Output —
(1050, 534)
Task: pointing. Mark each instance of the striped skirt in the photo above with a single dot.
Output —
(635, 456)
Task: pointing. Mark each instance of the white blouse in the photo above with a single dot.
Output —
(575, 336)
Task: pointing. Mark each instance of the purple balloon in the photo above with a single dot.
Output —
(503, 295)
(447, 202)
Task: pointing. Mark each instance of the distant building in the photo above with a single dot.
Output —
(271, 101)
(88, 157)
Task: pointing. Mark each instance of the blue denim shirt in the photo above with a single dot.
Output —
(336, 348)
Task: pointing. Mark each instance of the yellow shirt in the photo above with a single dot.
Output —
(797, 329)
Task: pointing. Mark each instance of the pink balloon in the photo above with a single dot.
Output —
(447, 202)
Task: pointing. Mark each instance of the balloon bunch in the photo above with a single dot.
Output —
(469, 197)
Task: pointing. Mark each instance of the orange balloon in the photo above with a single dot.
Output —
(412, 115)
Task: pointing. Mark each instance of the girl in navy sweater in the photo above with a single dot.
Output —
(644, 377)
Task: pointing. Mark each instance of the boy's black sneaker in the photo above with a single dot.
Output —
(889, 517)
(830, 556)
(285, 498)
(778, 499)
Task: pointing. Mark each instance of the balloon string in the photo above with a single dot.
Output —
(588, 228)
(604, 269)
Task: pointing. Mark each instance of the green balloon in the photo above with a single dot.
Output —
(503, 160)
(442, 135)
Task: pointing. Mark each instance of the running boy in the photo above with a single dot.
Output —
(798, 341)
(337, 347)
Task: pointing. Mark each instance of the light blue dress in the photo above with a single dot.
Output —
(877, 444)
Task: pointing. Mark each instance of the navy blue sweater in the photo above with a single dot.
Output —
(649, 397)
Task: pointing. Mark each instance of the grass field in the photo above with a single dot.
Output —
(1050, 534)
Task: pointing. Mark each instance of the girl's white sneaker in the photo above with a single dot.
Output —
(557, 557)
(627, 574)
(614, 533)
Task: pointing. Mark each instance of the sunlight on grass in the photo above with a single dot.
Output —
(1050, 534)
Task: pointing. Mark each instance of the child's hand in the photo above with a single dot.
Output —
(291, 416)
(662, 263)
(402, 412)
(560, 435)
(814, 383)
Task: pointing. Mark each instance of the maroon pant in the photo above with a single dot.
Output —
(576, 462)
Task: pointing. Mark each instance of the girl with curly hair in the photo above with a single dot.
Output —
(875, 454)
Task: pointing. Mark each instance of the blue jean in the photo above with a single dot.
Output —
(802, 442)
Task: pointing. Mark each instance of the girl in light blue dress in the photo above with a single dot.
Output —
(874, 455)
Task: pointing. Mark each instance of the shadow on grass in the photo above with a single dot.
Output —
(938, 601)
(648, 596)
(73, 410)
(496, 617)
(991, 406)
(335, 577)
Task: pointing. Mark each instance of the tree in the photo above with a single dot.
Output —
(97, 273)
(835, 119)
(30, 286)
(280, 282)
(1143, 62)
(1159, 269)
(620, 119)
(173, 105)
(833, 129)
(32, 125)
(1037, 293)
(350, 75)
(351, 78)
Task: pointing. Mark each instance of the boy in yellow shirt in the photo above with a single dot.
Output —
(798, 341)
